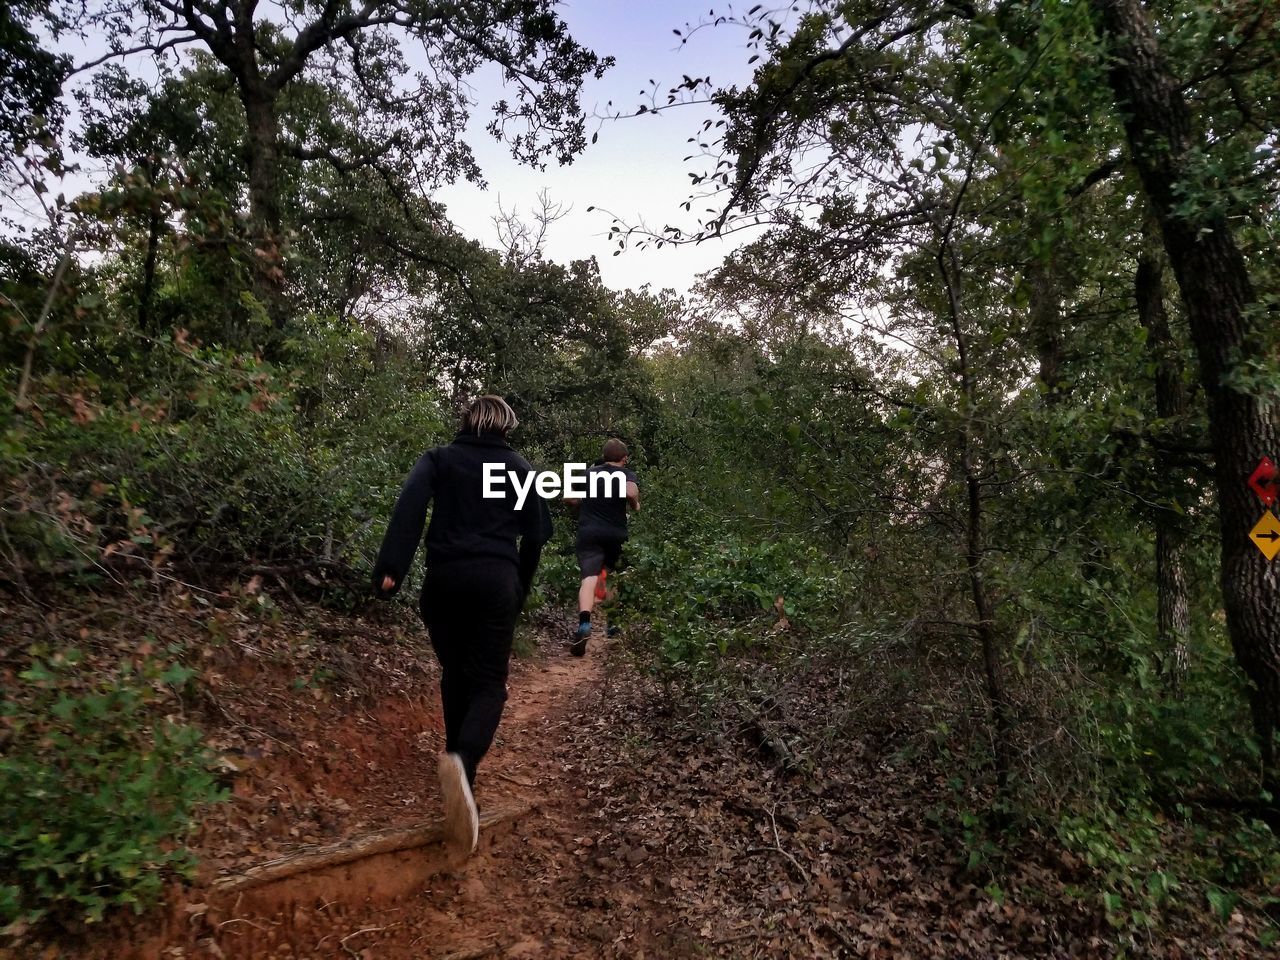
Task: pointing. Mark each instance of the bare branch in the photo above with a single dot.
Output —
(143, 48)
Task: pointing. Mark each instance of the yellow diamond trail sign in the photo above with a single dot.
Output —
(1266, 535)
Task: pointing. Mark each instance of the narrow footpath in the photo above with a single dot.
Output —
(522, 895)
(527, 892)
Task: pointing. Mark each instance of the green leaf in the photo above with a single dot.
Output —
(1222, 902)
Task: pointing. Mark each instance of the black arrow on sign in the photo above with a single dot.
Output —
(1268, 536)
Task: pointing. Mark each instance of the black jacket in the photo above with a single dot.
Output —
(464, 524)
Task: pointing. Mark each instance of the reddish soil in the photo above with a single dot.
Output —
(316, 769)
(513, 898)
(327, 727)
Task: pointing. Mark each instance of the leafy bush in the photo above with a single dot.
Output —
(98, 795)
(214, 456)
(556, 584)
(703, 600)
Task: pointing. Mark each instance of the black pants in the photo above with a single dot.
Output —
(470, 609)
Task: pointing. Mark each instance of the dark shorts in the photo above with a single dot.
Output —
(596, 553)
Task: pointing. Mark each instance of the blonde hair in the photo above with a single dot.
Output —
(489, 414)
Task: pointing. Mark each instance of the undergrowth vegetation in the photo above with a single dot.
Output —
(100, 791)
(116, 462)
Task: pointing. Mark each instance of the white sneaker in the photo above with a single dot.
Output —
(461, 819)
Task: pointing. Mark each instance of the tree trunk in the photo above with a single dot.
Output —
(1217, 294)
(1045, 316)
(975, 544)
(262, 146)
(1173, 617)
(262, 143)
(1173, 614)
(149, 269)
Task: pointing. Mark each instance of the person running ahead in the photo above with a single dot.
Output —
(602, 529)
(476, 581)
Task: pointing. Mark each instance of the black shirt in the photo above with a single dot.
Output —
(604, 517)
(465, 524)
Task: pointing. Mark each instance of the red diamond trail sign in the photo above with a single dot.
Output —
(1263, 481)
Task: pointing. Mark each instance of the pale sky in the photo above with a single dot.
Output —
(635, 169)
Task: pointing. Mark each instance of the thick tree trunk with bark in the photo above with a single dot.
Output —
(263, 148)
(234, 40)
(1218, 296)
(1173, 616)
(262, 143)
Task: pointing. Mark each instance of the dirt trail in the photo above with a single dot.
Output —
(521, 895)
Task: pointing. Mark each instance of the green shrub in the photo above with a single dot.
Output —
(215, 457)
(703, 600)
(556, 584)
(97, 793)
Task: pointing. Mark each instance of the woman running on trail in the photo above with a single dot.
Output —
(476, 581)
